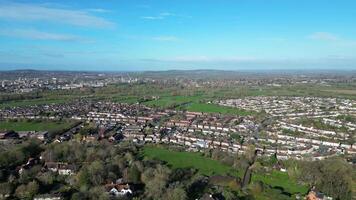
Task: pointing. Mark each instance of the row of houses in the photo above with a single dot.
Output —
(6, 135)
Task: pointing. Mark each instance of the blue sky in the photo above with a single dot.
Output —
(125, 35)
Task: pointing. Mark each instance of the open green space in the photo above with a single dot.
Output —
(207, 166)
(281, 179)
(342, 91)
(34, 125)
(213, 108)
(128, 99)
(32, 102)
(169, 101)
(178, 159)
(175, 97)
(195, 104)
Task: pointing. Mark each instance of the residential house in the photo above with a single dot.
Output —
(118, 190)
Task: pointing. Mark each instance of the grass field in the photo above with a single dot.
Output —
(34, 125)
(31, 102)
(281, 179)
(127, 99)
(342, 91)
(294, 90)
(168, 101)
(207, 166)
(197, 101)
(194, 104)
(178, 159)
(192, 98)
(212, 108)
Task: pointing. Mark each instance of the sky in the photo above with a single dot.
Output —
(135, 35)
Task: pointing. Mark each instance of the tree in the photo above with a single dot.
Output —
(336, 180)
(331, 176)
(310, 172)
(5, 189)
(98, 193)
(78, 196)
(97, 172)
(19, 154)
(27, 191)
(134, 174)
(177, 193)
(156, 181)
(83, 178)
(29, 174)
(256, 187)
(46, 178)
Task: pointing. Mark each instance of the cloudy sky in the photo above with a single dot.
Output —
(125, 35)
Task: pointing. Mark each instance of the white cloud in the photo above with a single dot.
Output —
(163, 15)
(144, 6)
(332, 38)
(98, 10)
(152, 17)
(252, 63)
(210, 59)
(166, 14)
(272, 39)
(324, 36)
(166, 38)
(33, 12)
(39, 35)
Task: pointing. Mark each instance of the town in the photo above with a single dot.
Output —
(286, 128)
(177, 100)
(284, 134)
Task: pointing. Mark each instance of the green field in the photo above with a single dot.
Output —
(193, 99)
(207, 166)
(342, 91)
(32, 102)
(34, 125)
(213, 108)
(128, 99)
(178, 159)
(194, 104)
(168, 101)
(281, 179)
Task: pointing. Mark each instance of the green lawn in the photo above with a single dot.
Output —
(33, 102)
(207, 166)
(167, 101)
(178, 159)
(34, 125)
(126, 99)
(281, 179)
(213, 108)
(193, 103)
